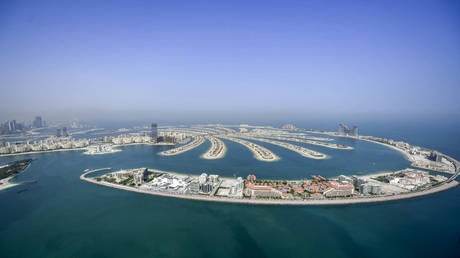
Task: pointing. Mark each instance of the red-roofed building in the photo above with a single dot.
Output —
(251, 178)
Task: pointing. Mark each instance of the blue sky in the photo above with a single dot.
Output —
(122, 59)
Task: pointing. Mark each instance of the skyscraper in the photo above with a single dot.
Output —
(12, 126)
(64, 132)
(154, 131)
(344, 130)
(354, 131)
(38, 122)
(58, 132)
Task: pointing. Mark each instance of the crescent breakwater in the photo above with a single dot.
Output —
(322, 144)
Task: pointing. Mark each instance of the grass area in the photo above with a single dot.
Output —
(14, 168)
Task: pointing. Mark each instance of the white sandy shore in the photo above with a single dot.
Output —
(348, 201)
(102, 153)
(5, 183)
(406, 155)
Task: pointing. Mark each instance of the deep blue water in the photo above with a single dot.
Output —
(62, 216)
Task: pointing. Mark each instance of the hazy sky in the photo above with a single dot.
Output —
(120, 59)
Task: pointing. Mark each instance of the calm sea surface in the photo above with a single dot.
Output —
(62, 216)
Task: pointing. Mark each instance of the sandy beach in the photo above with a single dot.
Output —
(5, 183)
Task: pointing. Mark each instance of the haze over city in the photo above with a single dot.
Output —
(125, 60)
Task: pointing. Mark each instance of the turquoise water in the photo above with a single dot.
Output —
(62, 216)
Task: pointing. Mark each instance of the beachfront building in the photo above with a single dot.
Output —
(193, 187)
(339, 189)
(411, 179)
(206, 187)
(203, 178)
(213, 179)
(346, 179)
(207, 183)
(357, 181)
(236, 190)
(262, 191)
(367, 188)
(345, 131)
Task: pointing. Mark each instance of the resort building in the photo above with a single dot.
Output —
(203, 178)
(339, 189)
(345, 131)
(262, 191)
(366, 189)
(411, 179)
(207, 187)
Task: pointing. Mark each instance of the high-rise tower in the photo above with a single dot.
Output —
(154, 131)
(38, 122)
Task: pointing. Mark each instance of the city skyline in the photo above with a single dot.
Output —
(99, 60)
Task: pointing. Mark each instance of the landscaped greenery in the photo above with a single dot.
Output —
(14, 168)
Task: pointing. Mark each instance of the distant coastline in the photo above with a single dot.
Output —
(82, 149)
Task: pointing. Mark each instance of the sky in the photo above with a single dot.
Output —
(212, 60)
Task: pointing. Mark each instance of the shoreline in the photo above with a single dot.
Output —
(6, 184)
(313, 202)
(102, 153)
(84, 148)
(39, 152)
(405, 154)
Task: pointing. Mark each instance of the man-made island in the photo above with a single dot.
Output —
(318, 190)
(10, 170)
